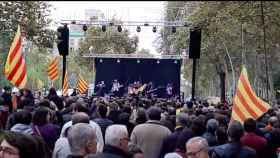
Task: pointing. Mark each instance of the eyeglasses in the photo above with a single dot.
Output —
(7, 150)
(194, 154)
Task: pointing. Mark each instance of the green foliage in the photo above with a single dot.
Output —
(221, 32)
(110, 41)
(33, 17)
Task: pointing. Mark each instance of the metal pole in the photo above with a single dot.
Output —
(265, 53)
(193, 79)
(233, 72)
(63, 69)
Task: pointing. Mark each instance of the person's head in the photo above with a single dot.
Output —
(79, 107)
(273, 121)
(154, 113)
(80, 117)
(141, 116)
(41, 116)
(135, 151)
(52, 92)
(117, 136)
(27, 93)
(184, 136)
(82, 139)
(183, 120)
(24, 102)
(58, 101)
(197, 147)
(23, 117)
(250, 125)
(235, 131)
(221, 134)
(212, 125)
(44, 103)
(16, 145)
(102, 110)
(123, 118)
(198, 126)
(7, 89)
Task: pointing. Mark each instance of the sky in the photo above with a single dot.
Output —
(124, 10)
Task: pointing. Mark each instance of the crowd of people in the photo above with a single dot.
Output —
(36, 126)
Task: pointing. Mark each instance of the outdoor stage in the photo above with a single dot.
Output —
(130, 68)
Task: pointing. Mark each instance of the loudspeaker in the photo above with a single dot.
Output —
(195, 43)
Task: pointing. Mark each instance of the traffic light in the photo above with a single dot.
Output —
(63, 40)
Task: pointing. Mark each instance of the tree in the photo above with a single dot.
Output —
(110, 41)
(221, 34)
(33, 17)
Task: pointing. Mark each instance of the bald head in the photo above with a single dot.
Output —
(80, 117)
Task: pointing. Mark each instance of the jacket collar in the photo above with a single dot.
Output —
(114, 150)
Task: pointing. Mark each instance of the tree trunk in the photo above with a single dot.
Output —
(222, 76)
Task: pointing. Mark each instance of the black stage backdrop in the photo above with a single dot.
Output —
(126, 71)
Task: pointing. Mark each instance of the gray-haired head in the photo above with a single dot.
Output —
(197, 144)
(114, 134)
(80, 137)
(80, 117)
(212, 125)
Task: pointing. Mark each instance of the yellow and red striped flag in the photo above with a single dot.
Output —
(82, 85)
(246, 104)
(15, 67)
(53, 69)
(65, 85)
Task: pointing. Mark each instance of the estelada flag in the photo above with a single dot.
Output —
(246, 104)
(82, 85)
(15, 67)
(53, 69)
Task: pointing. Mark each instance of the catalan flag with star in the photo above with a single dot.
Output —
(82, 85)
(15, 68)
(246, 104)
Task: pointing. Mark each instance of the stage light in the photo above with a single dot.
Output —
(100, 60)
(138, 61)
(173, 29)
(118, 61)
(138, 29)
(158, 61)
(103, 28)
(154, 29)
(120, 28)
(85, 27)
(175, 62)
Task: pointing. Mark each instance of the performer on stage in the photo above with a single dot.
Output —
(169, 90)
(116, 88)
(100, 88)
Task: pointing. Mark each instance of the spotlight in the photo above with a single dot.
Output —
(158, 61)
(154, 29)
(103, 28)
(100, 60)
(175, 62)
(138, 29)
(138, 61)
(85, 27)
(118, 61)
(120, 28)
(173, 29)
